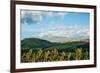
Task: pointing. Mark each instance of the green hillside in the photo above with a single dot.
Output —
(35, 43)
(70, 46)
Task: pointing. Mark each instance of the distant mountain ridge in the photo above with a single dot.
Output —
(64, 39)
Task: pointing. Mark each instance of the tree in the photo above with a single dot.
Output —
(78, 53)
(69, 56)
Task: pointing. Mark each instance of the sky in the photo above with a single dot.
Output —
(54, 26)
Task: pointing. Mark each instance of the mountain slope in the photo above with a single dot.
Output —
(35, 43)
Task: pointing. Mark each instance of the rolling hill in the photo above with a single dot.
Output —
(35, 43)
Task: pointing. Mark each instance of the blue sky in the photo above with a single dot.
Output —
(54, 25)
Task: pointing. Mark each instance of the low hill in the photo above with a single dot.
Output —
(35, 43)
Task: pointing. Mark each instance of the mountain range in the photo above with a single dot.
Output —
(36, 43)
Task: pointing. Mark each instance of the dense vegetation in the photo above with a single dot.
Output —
(37, 50)
(53, 55)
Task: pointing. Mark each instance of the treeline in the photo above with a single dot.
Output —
(42, 55)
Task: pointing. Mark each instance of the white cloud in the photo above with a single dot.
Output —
(52, 34)
(57, 27)
(65, 32)
(37, 15)
(53, 13)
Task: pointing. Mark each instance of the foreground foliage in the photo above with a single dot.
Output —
(42, 55)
